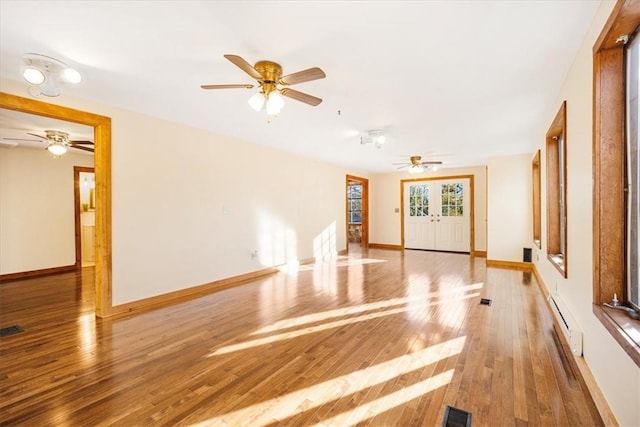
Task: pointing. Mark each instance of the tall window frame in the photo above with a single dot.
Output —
(609, 220)
(536, 179)
(556, 150)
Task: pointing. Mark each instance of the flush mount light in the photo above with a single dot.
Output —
(45, 73)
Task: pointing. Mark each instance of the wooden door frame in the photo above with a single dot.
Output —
(76, 208)
(364, 242)
(102, 162)
(472, 238)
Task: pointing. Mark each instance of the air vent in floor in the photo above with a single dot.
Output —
(454, 417)
(485, 301)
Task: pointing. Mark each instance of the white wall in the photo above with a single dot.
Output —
(384, 198)
(615, 372)
(189, 206)
(509, 207)
(37, 223)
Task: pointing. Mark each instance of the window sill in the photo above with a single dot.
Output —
(558, 262)
(624, 329)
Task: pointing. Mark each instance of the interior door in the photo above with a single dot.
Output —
(419, 221)
(437, 216)
(453, 220)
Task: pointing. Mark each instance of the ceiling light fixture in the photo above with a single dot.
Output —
(267, 98)
(375, 137)
(415, 169)
(45, 73)
(57, 149)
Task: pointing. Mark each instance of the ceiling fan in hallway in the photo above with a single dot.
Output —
(58, 142)
(272, 84)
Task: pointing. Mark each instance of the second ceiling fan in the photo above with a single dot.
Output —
(272, 84)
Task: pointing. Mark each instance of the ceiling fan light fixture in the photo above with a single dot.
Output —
(33, 76)
(257, 101)
(57, 149)
(275, 102)
(415, 169)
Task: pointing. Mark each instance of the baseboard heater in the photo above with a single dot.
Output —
(567, 324)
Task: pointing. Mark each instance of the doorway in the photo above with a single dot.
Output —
(84, 197)
(437, 214)
(102, 161)
(357, 211)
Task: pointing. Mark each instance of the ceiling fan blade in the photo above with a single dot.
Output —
(37, 136)
(233, 86)
(21, 139)
(82, 142)
(434, 162)
(314, 73)
(80, 147)
(402, 167)
(403, 163)
(300, 96)
(244, 66)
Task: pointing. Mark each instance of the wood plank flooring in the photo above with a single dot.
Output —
(381, 338)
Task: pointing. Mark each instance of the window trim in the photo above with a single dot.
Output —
(556, 193)
(536, 177)
(608, 170)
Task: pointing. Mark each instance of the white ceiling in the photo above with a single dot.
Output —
(453, 80)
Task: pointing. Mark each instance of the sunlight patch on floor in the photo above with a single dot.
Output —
(346, 311)
(323, 327)
(390, 401)
(290, 404)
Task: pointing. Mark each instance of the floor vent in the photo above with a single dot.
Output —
(485, 301)
(454, 417)
(10, 330)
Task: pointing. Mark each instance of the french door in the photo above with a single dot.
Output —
(436, 215)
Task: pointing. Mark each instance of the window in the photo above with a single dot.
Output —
(613, 166)
(419, 200)
(536, 181)
(354, 197)
(557, 191)
(633, 173)
(452, 200)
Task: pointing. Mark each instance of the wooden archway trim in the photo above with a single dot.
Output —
(102, 159)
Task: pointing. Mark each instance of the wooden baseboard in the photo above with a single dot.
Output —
(385, 246)
(37, 273)
(480, 254)
(182, 295)
(514, 265)
(586, 378)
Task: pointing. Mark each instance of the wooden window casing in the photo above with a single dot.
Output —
(556, 149)
(537, 201)
(609, 77)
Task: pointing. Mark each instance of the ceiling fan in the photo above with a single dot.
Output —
(272, 84)
(58, 142)
(416, 165)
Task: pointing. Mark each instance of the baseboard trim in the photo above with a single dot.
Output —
(37, 273)
(385, 246)
(187, 294)
(480, 254)
(586, 378)
(513, 265)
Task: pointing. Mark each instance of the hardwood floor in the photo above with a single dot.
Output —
(381, 338)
